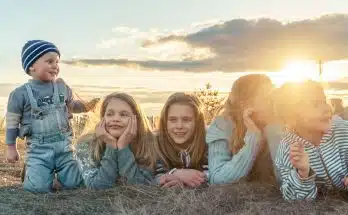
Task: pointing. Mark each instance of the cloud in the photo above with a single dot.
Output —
(240, 45)
(199, 65)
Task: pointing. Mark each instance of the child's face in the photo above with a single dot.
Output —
(46, 68)
(117, 116)
(314, 113)
(180, 123)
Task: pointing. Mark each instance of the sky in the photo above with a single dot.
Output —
(115, 29)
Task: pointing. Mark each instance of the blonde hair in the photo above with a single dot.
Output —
(142, 146)
(244, 89)
(166, 147)
(290, 97)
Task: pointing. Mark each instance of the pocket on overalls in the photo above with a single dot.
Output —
(31, 144)
(64, 118)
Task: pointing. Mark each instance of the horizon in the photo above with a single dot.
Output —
(147, 46)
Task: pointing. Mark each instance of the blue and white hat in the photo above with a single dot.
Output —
(33, 50)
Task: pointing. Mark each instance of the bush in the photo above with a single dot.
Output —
(211, 100)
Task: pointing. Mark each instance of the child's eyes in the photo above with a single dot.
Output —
(172, 120)
(187, 119)
(52, 61)
(124, 114)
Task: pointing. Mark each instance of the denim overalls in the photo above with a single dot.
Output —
(49, 146)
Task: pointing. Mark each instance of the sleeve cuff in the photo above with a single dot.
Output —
(125, 153)
(110, 152)
(300, 182)
(252, 137)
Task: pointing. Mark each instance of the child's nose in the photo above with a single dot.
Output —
(179, 124)
(55, 66)
(116, 118)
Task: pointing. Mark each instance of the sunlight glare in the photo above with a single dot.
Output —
(298, 71)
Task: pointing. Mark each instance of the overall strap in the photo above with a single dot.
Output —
(32, 100)
(56, 98)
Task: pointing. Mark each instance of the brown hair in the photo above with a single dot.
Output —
(166, 147)
(243, 90)
(142, 146)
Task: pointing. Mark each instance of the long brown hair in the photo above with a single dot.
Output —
(244, 89)
(142, 146)
(165, 146)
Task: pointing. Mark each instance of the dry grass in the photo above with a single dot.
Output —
(239, 198)
(227, 199)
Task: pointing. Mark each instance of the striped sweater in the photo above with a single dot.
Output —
(328, 163)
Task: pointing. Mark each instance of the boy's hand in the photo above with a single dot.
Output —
(12, 154)
(299, 159)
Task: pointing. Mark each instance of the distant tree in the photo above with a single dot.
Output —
(211, 100)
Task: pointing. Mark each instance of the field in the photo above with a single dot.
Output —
(241, 198)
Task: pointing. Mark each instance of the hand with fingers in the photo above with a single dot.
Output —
(190, 177)
(248, 121)
(299, 159)
(345, 181)
(12, 154)
(129, 134)
(104, 136)
(170, 181)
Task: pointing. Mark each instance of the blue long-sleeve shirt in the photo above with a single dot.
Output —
(225, 167)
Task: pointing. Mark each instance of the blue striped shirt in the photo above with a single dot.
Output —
(328, 163)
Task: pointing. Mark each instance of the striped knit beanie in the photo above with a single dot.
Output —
(33, 50)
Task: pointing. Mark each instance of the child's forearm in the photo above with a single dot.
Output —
(296, 188)
(130, 169)
(11, 136)
(12, 127)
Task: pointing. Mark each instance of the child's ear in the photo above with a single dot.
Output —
(31, 69)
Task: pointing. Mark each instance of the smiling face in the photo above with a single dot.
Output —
(117, 116)
(46, 68)
(180, 123)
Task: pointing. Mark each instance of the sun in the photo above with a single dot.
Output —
(297, 71)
